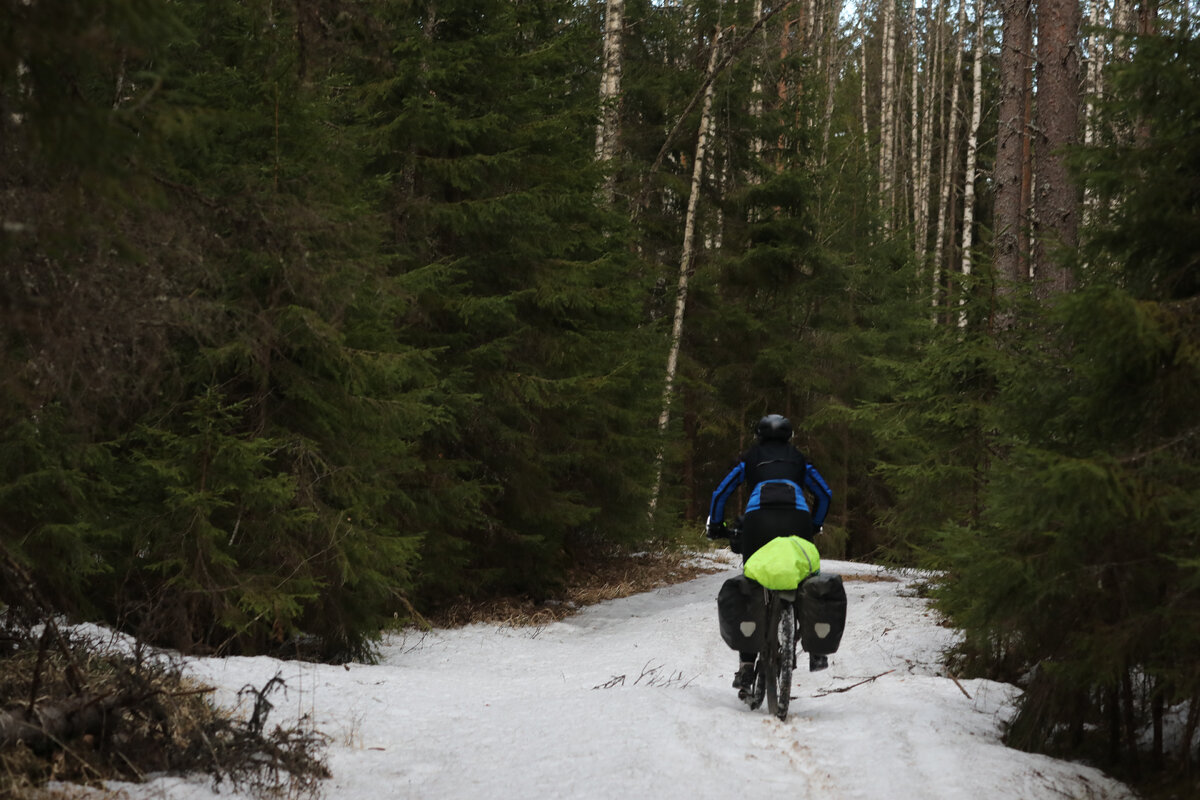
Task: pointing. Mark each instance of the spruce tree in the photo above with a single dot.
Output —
(1081, 577)
(520, 282)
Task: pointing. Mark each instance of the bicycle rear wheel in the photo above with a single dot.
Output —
(779, 655)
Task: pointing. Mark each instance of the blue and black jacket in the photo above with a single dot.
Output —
(777, 474)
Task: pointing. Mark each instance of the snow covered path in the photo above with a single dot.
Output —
(632, 698)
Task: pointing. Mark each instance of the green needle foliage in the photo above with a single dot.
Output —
(1081, 577)
(311, 315)
(521, 285)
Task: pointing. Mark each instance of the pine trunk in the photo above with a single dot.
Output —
(914, 134)
(1056, 203)
(1009, 204)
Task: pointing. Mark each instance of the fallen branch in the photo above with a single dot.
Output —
(959, 685)
(823, 692)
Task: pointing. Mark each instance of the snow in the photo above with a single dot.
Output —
(632, 697)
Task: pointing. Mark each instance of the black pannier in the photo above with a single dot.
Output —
(739, 608)
(822, 613)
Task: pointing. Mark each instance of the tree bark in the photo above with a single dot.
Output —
(914, 135)
(1056, 201)
(971, 172)
(1009, 171)
(887, 114)
(608, 129)
(862, 87)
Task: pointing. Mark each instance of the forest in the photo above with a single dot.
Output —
(320, 315)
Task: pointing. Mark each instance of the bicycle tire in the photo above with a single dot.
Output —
(770, 653)
(779, 655)
(786, 654)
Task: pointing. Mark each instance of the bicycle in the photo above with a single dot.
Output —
(772, 676)
(777, 659)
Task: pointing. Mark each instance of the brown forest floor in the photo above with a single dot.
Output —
(594, 581)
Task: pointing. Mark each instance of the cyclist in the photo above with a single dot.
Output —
(777, 474)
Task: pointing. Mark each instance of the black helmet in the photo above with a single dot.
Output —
(773, 426)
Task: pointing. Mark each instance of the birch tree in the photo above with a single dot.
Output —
(887, 158)
(971, 173)
(949, 151)
(610, 89)
(933, 68)
(685, 257)
(1094, 48)
(862, 90)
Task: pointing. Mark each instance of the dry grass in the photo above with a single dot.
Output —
(595, 581)
(876, 578)
(94, 711)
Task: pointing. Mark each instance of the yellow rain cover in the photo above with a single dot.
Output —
(783, 562)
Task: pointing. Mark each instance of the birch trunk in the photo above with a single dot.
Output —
(862, 86)
(1093, 86)
(971, 172)
(949, 151)
(933, 68)
(887, 113)
(685, 261)
(607, 129)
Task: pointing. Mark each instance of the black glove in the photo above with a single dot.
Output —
(716, 530)
(816, 530)
(735, 544)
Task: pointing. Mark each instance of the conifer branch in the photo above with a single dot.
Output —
(722, 64)
(1167, 445)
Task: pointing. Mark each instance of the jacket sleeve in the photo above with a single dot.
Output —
(822, 495)
(716, 509)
